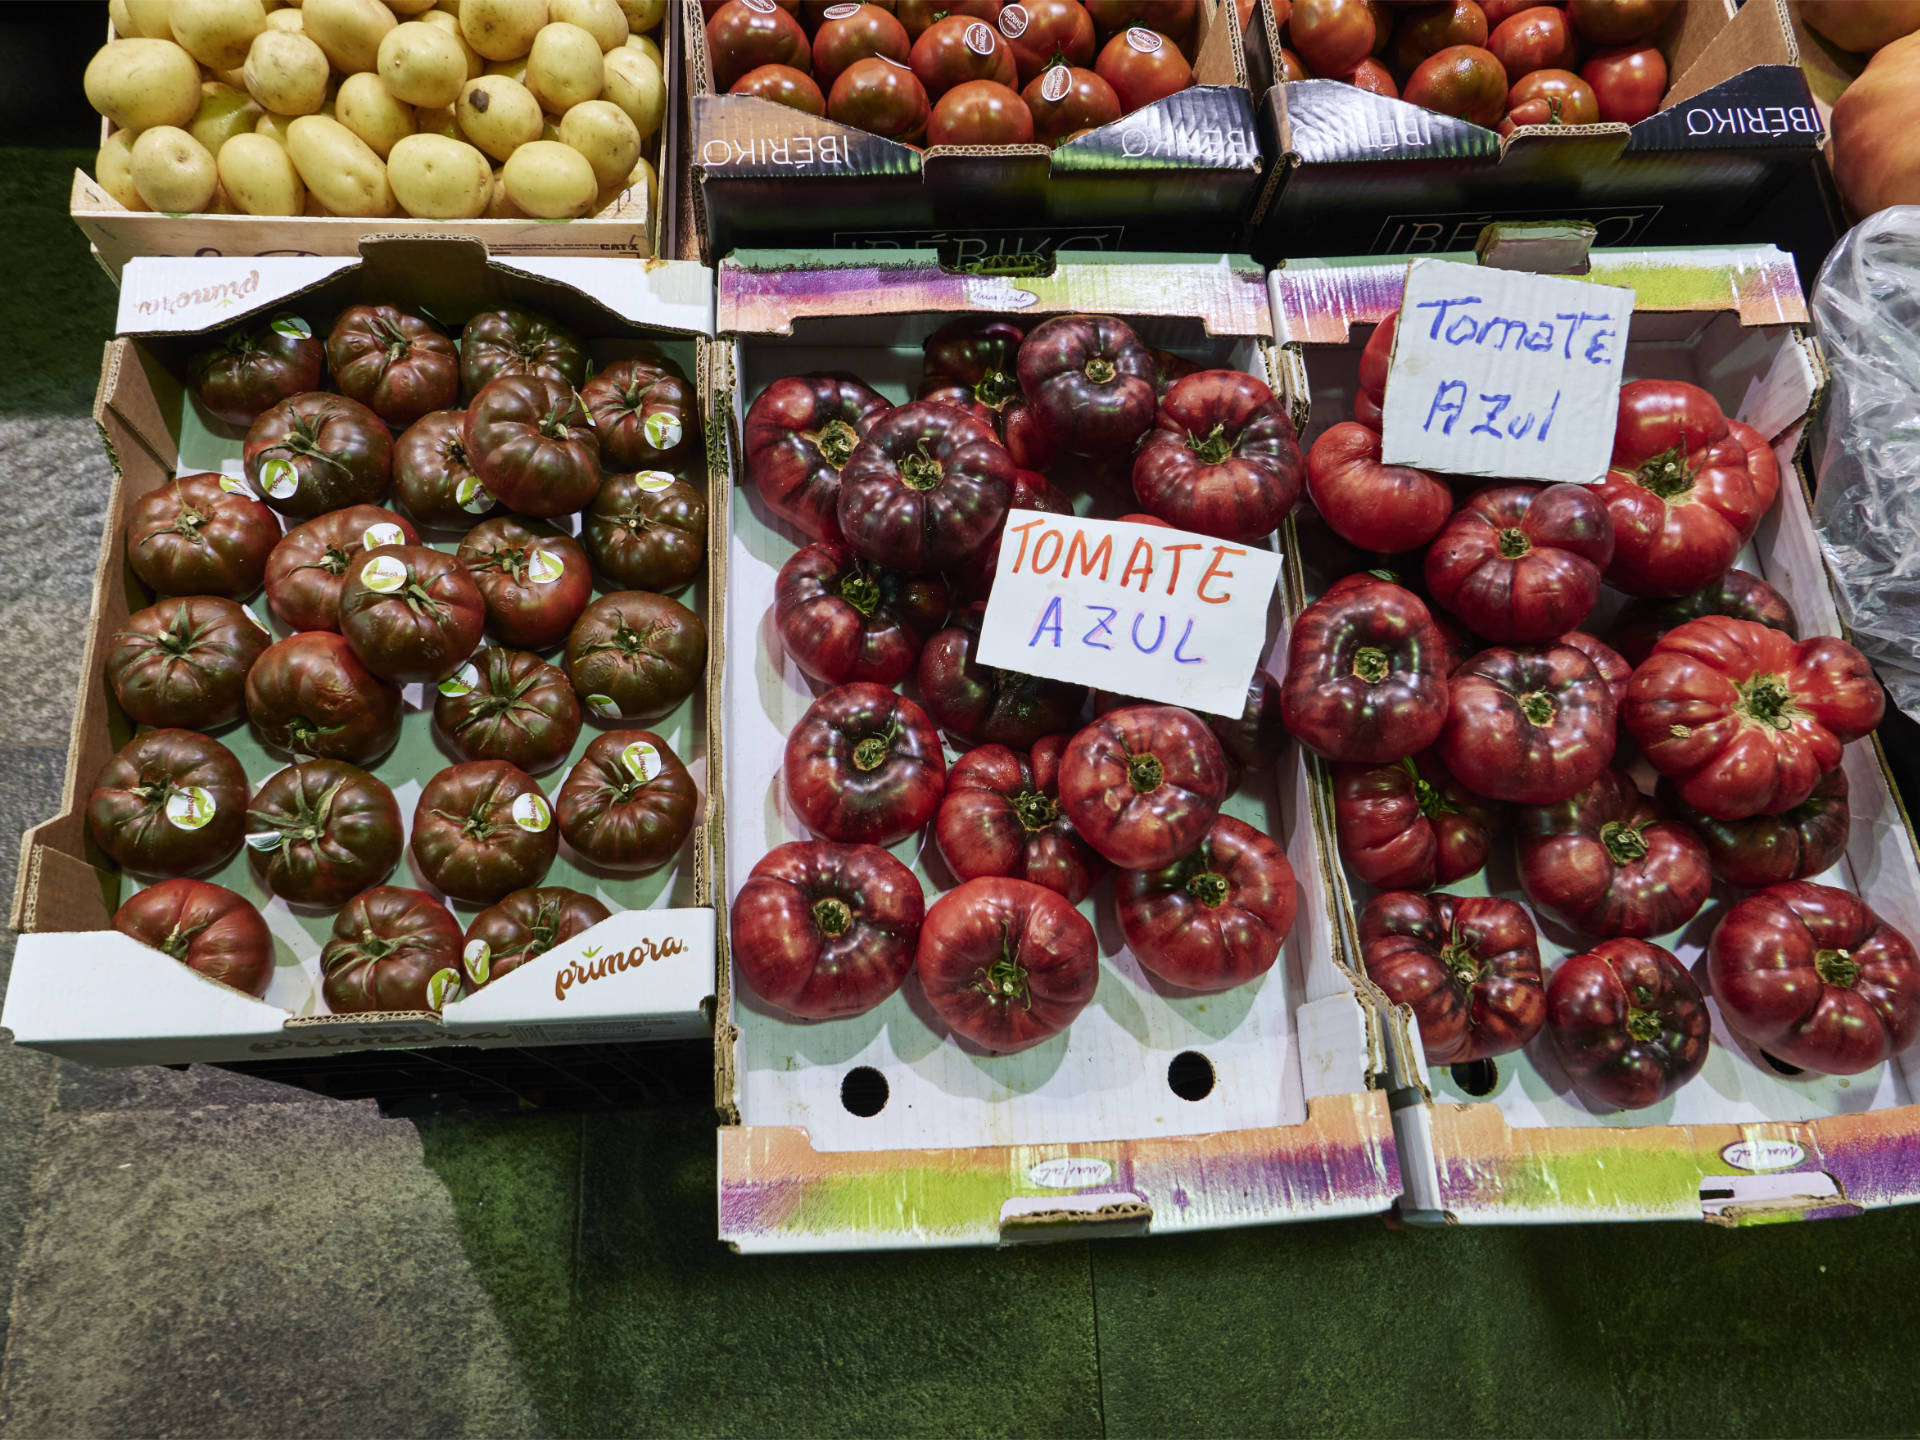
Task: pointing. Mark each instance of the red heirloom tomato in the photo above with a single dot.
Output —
(1172, 18)
(509, 705)
(1288, 67)
(206, 927)
(823, 931)
(980, 112)
(970, 362)
(411, 613)
(1332, 36)
(192, 536)
(1006, 963)
(309, 694)
(881, 96)
(864, 766)
(635, 656)
(399, 366)
(483, 828)
(1746, 719)
(1535, 39)
(1550, 97)
(1064, 100)
(645, 413)
(926, 489)
(849, 33)
(1815, 979)
(1142, 66)
(1388, 508)
(322, 831)
(316, 453)
(783, 85)
(1765, 850)
(1519, 564)
(255, 368)
(985, 705)
(1497, 11)
(1426, 29)
(628, 803)
(1467, 965)
(1531, 725)
(1375, 356)
(917, 15)
(1169, 370)
(171, 802)
(647, 531)
(1214, 918)
(1047, 32)
(1612, 666)
(524, 926)
(843, 619)
(534, 579)
(1462, 80)
(1410, 825)
(1030, 492)
(508, 341)
(1628, 1023)
(1220, 459)
(432, 475)
(1092, 382)
(799, 434)
(533, 445)
(182, 664)
(1366, 679)
(1618, 22)
(1627, 83)
(746, 34)
(1736, 594)
(308, 568)
(1001, 816)
(956, 49)
(1143, 783)
(1687, 488)
(1374, 78)
(1610, 862)
(392, 949)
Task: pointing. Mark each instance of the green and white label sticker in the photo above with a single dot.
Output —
(663, 430)
(248, 612)
(382, 532)
(653, 480)
(233, 486)
(266, 840)
(191, 808)
(292, 325)
(530, 812)
(643, 759)
(603, 706)
(544, 567)
(278, 478)
(438, 984)
(463, 681)
(383, 573)
(471, 496)
(478, 958)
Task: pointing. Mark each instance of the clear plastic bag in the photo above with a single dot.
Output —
(1866, 311)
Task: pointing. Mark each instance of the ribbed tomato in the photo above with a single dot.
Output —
(1006, 964)
(1216, 917)
(206, 927)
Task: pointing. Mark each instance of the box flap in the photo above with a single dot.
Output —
(639, 964)
(740, 136)
(178, 295)
(1204, 127)
(1765, 107)
(1330, 121)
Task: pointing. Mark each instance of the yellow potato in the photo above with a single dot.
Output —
(502, 29)
(602, 19)
(258, 176)
(498, 114)
(364, 107)
(350, 31)
(273, 126)
(409, 7)
(224, 112)
(643, 15)
(439, 179)
(288, 20)
(644, 44)
(113, 168)
(337, 165)
(216, 32)
(564, 68)
(173, 172)
(121, 19)
(149, 19)
(633, 83)
(450, 23)
(437, 120)
(138, 84)
(603, 132)
(421, 65)
(500, 205)
(286, 73)
(511, 69)
(550, 181)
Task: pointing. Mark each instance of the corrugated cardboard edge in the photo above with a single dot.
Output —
(717, 385)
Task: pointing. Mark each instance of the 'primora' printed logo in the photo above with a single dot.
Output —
(595, 966)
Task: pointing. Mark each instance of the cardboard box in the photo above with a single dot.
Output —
(1739, 1143)
(1084, 1134)
(83, 990)
(1361, 174)
(1179, 174)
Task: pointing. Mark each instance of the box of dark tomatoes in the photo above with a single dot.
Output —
(393, 726)
(1627, 856)
(995, 133)
(1404, 130)
(965, 1002)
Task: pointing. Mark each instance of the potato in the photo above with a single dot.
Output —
(441, 20)
(258, 176)
(350, 31)
(273, 126)
(606, 135)
(149, 19)
(287, 20)
(173, 172)
(511, 69)
(138, 84)
(113, 168)
(409, 7)
(439, 179)
(564, 68)
(498, 114)
(602, 19)
(500, 205)
(287, 73)
(644, 44)
(550, 181)
(121, 19)
(217, 32)
(643, 15)
(437, 120)
(633, 83)
(364, 107)
(502, 29)
(338, 166)
(421, 65)
(224, 112)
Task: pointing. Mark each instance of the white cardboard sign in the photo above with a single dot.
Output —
(1139, 610)
(1504, 374)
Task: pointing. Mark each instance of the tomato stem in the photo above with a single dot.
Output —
(871, 753)
(1426, 796)
(334, 562)
(1513, 543)
(1215, 448)
(1145, 772)
(1462, 965)
(553, 425)
(1836, 967)
(1643, 1025)
(1538, 707)
(1766, 700)
(1100, 370)
(1370, 664)
(1036, 811)
(1666, 474)
(836, 441)
(860, 590)
(175, 944)
(1005, 981)
(303, 439)
(920, 471)
(995, 389)
(1624, 842)
(310, 814)
(832, 916)
(1210, 888)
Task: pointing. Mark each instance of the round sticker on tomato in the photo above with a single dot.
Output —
(662, 430)
(604, 706)
(463, 681)
(244, 610)
(383, 573)
(642, 758)
(544, 567)
(1013, 21)
(839, 12)
(1055, 83)
(382, 532)
(980, 38)
(191, 808)
(438, 984)
(531, 813)
(470, 495)
(1147, 42)
(764, 7)
(291, 325)
(279, 479)
(266, 840)
(233, 486)
(653, 481)
(478, 958)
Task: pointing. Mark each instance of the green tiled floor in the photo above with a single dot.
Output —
(192, 1254)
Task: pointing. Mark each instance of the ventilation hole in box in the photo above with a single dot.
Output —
(1190, 1076)
(1780, 1066)
(864, 1091)
(1476, 1077)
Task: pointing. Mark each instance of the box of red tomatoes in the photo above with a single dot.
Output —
(1627, 855)
(1403, 130)
(974, 992)
(988, 130)
(393, 727)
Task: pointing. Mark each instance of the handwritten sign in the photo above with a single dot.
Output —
(1505, 374)
(1136, 609)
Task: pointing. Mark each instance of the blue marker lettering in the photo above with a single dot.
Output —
(1441, 405)
(1495, 404)
(1440, 308)
(1187, 659)
(1049, 620)
(1105, 627)
(1157, 639)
